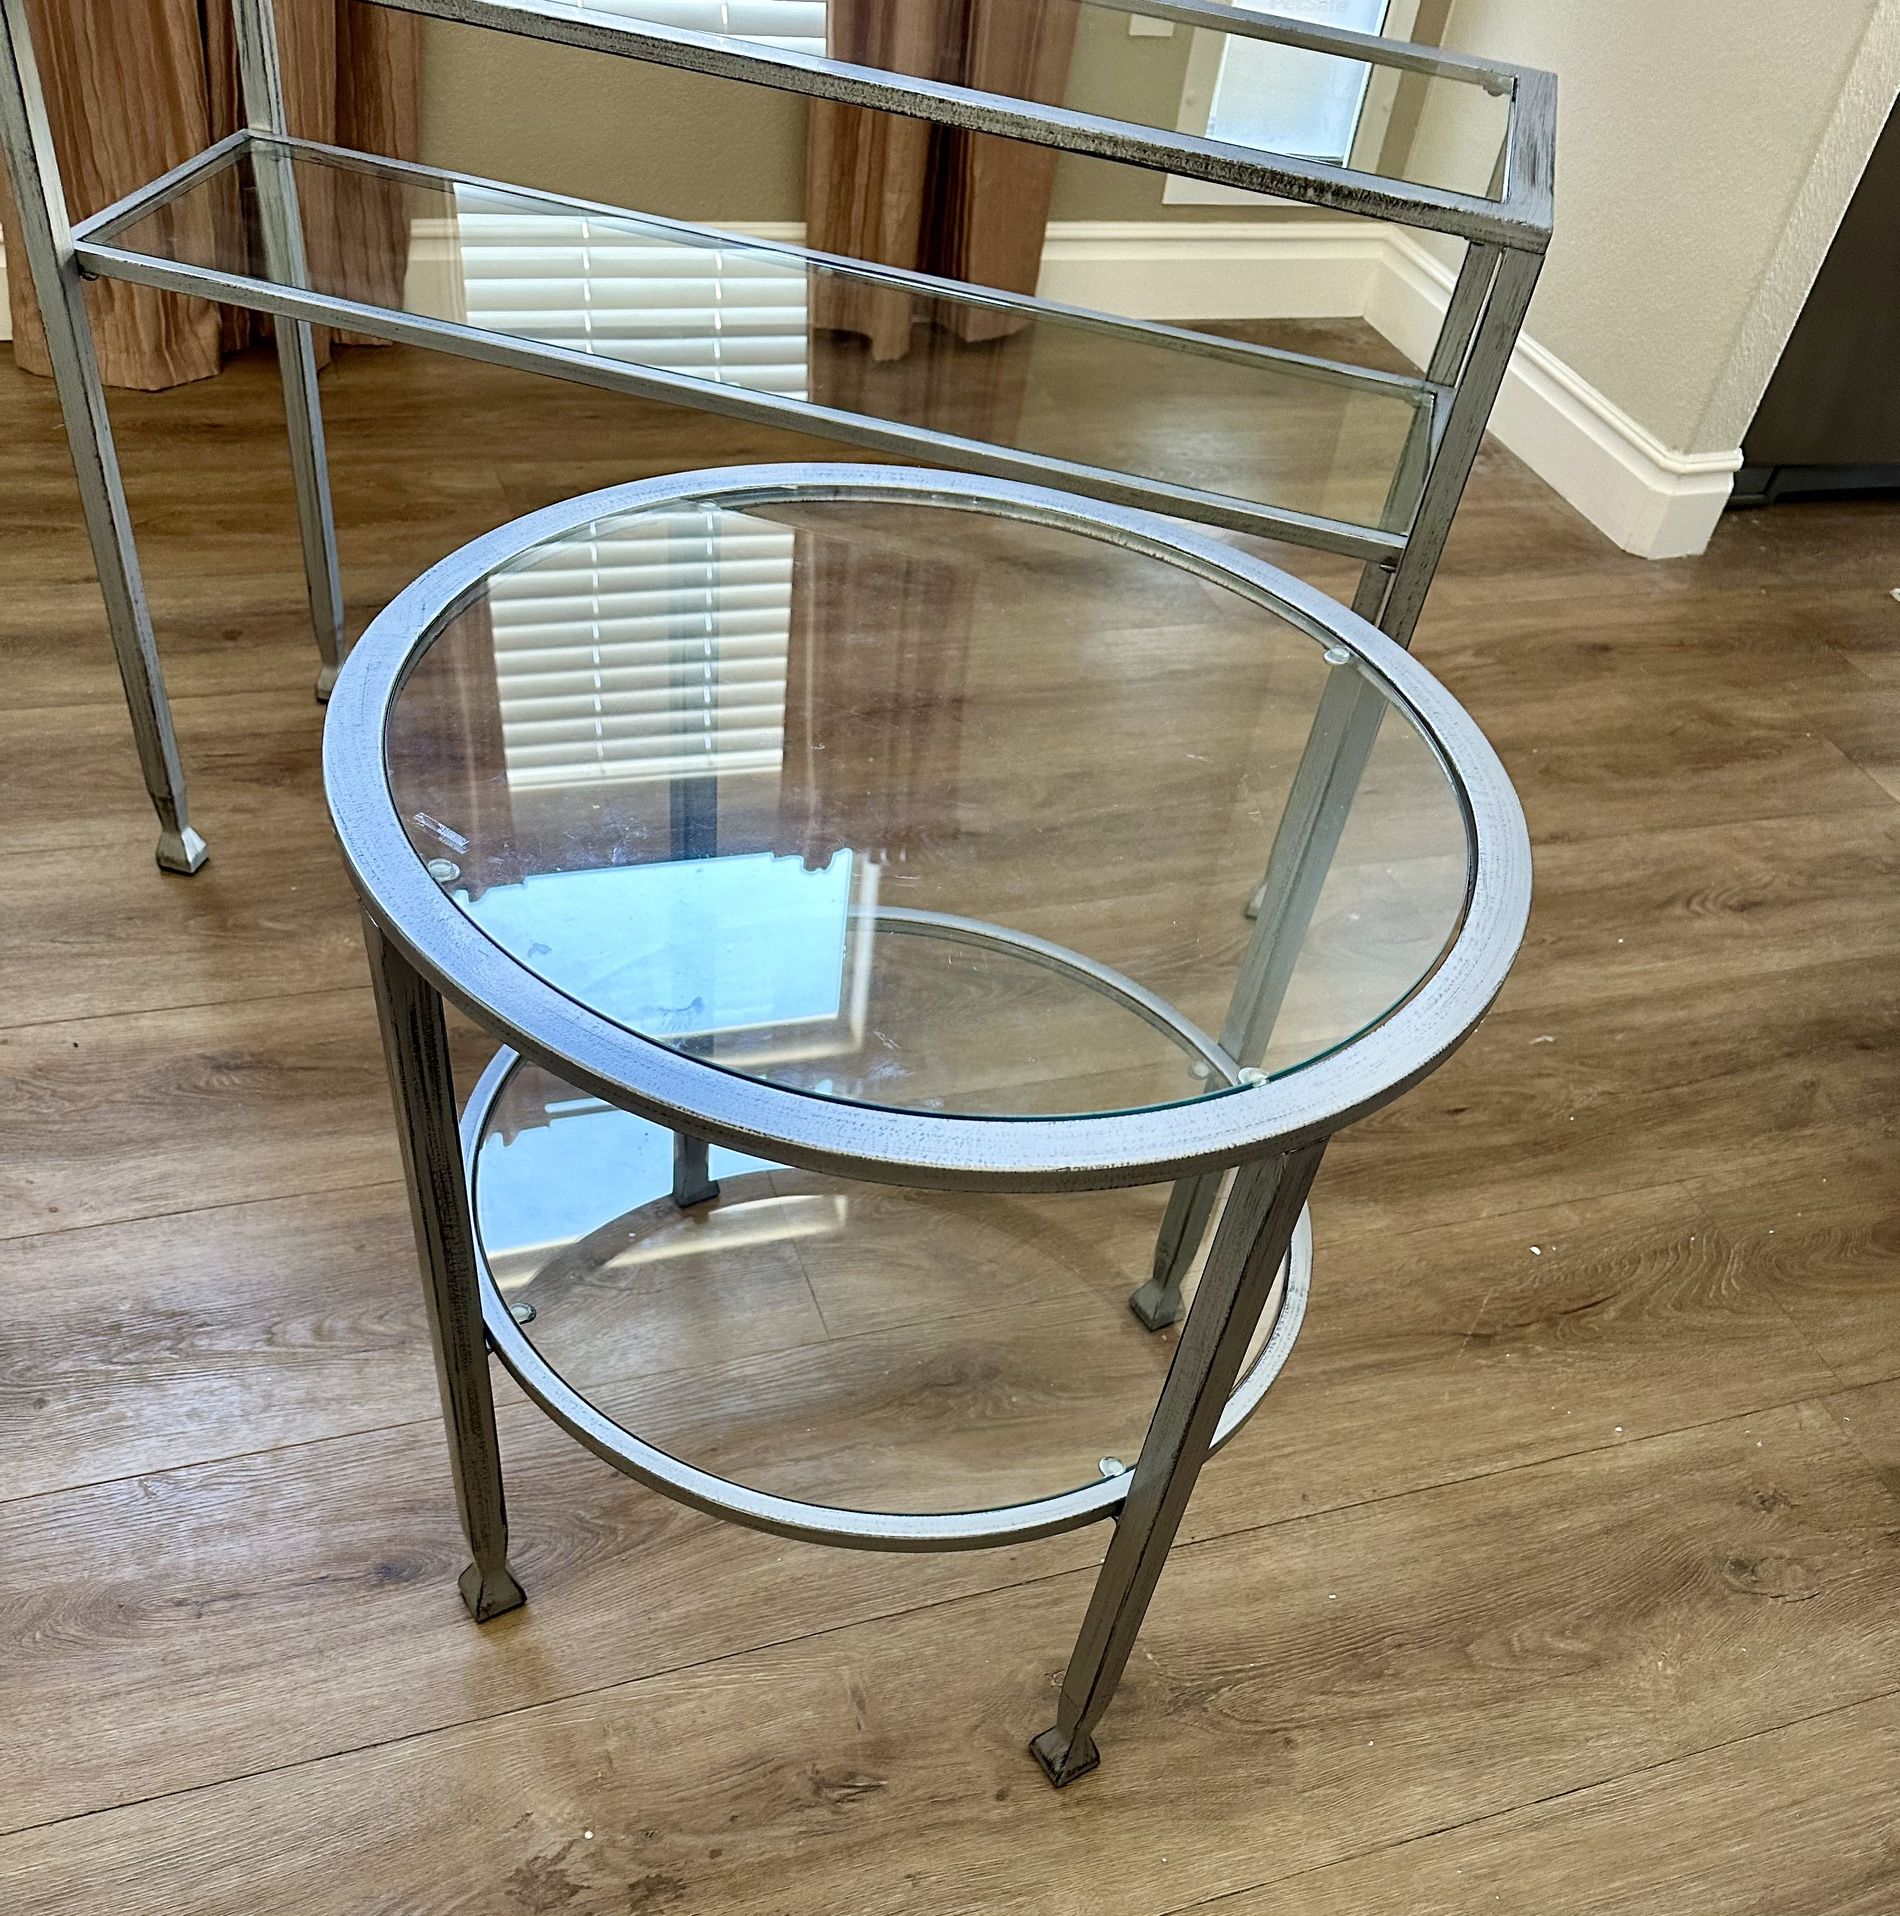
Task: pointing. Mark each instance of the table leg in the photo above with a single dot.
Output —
(1338, 748)
(416, 1044)
(281, 223)
(692, 1180)
(46, 240)
(1190, 1204)
(1250, 1244)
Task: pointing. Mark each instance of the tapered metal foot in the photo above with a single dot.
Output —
(1063, 1759)
(416, 1043)
(693, 1182)
(490, 1594)
(181, 851)
(1158, 1304)
(326, 681)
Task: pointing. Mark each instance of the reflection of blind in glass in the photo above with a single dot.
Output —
(797, 24)
(654, 649)
(624, 290)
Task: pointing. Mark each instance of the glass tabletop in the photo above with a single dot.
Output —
(1122, 60)
(1323, 439)
(923, 809)
(812, 1336)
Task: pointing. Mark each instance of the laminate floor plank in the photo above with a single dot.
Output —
(1825, 1238)
(173, 1340)
(1558, 1570)
(1651, 1087)
(1870, 1415)
(1349, 1681)
(251, 759)
(109, 1119)
(1817, 1837)
(273, 915)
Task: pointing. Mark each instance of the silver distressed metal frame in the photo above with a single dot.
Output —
(40, 200)
(1269, 1133)
(1506, 234)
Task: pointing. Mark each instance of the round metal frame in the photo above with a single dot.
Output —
(897, 1146)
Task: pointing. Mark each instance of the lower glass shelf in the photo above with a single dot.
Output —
(1001, 383)
(803, 1344)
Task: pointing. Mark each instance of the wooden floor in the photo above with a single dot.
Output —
(1559, 1574)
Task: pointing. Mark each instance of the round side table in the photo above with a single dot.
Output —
(822, 843)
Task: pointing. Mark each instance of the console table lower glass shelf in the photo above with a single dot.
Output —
(884, 886)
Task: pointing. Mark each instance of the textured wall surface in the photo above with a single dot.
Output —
(1688, 132)
(606, 129)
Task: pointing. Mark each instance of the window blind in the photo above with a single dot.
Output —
(649, 648)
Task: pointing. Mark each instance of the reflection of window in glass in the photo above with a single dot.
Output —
(627, 289)
(797, 24)
(1280, 99)
(704, 947)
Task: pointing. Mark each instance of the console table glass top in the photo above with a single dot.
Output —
(914, 809)
(772, 324)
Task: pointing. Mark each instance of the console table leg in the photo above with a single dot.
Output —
(310, 472)
(1338, 748)
(1190, 1204)
(415, 1042)
(1250, 1244)
(692, 1180)
(281, 223)
(46, 240)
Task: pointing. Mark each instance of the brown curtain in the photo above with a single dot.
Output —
(135, 86)
(904, 192)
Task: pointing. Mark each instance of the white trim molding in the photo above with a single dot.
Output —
(1212, 269)
(1653, 501)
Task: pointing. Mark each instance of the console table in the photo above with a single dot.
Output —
(231, 225)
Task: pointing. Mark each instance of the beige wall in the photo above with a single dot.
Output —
(605, 129)
(1687, 132)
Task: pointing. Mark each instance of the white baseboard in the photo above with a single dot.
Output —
(1655, 502)
(1212, 269)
